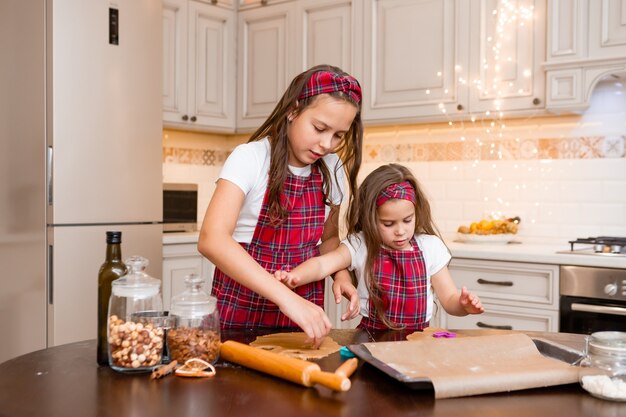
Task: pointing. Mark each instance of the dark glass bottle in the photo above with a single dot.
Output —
(112, 269)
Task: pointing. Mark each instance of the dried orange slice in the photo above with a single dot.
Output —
(197, 368)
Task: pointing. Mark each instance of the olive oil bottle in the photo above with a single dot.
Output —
(111, 269)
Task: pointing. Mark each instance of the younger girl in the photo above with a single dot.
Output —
(277, 198)
(394, 248)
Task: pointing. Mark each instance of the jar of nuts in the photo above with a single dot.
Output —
(135, 345)
(196, 331)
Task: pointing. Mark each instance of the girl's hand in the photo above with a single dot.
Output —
(308, 316)
(288, 278)
(470, 302)
(342, 285)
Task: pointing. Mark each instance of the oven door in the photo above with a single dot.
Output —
(587, 315)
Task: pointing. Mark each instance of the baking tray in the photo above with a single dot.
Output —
(547, 348)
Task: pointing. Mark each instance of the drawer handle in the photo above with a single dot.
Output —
(491, 326)
(502, 283)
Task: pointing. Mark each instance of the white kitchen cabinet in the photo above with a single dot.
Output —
(180, 260)
(506, 72)
(432, 60)
(607, 29)
(413, 50)
(248, 4)
(334, 310)
(516, 296)
(505, 318)
(199, 90)
(265, 66)
(586, 43)
(329, 33)
(278, 41)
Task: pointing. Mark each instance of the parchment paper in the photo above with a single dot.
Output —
(295, 345)
(473, 365)
(429, 331)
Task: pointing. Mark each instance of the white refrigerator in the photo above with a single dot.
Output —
(81, 152)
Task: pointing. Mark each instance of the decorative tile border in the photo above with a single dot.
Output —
(468, 150)
(515, 149)
(206, 157)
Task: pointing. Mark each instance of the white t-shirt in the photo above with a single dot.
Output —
(248, 168)
(436, 256)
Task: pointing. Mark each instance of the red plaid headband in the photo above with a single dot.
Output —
(322, 82)
(402, 190)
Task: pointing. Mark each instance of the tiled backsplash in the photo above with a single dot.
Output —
(564, 176)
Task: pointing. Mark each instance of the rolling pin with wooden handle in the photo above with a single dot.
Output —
(347, 368)
(295, 370)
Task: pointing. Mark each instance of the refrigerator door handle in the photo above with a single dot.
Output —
(49, 174)
(49, 275)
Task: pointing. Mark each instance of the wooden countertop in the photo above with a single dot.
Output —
(65, 381)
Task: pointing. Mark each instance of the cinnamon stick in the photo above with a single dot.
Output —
(163, 370)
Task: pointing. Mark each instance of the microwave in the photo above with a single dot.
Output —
(180, 207)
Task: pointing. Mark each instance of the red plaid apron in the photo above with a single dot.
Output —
(277, 247)
(402, 277)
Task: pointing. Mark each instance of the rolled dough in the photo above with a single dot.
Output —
(295, 345)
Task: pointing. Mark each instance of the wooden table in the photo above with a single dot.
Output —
(65, 381)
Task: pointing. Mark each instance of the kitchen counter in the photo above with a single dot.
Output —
(65, 381)
(175, 238)
(521, 250)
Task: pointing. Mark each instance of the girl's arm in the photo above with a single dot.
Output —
(455, 303)
(217, 244)
(342, 280)
(317, 268)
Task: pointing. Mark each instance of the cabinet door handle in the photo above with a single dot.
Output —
(492, 326)
(185, 117)
(502, 283)
(193, 118)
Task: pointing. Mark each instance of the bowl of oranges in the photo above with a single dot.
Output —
(503, 230)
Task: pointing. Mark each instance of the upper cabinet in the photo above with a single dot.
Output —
(278, 40)
(329, 33)
(507, 51)
(428, 60)
(412, 53)
(199, 90)
(266, 48)
(586, 42)
(227, 63)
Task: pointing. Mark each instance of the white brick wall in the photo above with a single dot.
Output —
(558, 199)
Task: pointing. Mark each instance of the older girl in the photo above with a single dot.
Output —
(278, 197)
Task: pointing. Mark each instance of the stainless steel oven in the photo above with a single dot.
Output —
(592, 299)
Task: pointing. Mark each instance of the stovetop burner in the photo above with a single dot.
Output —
(601, 245)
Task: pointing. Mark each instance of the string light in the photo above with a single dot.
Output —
(508, 16)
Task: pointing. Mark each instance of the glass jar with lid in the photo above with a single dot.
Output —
(134, 333)
(196, 329)
(603, 369)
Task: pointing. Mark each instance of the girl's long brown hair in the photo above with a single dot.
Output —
(362, 217)
(275, 127)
